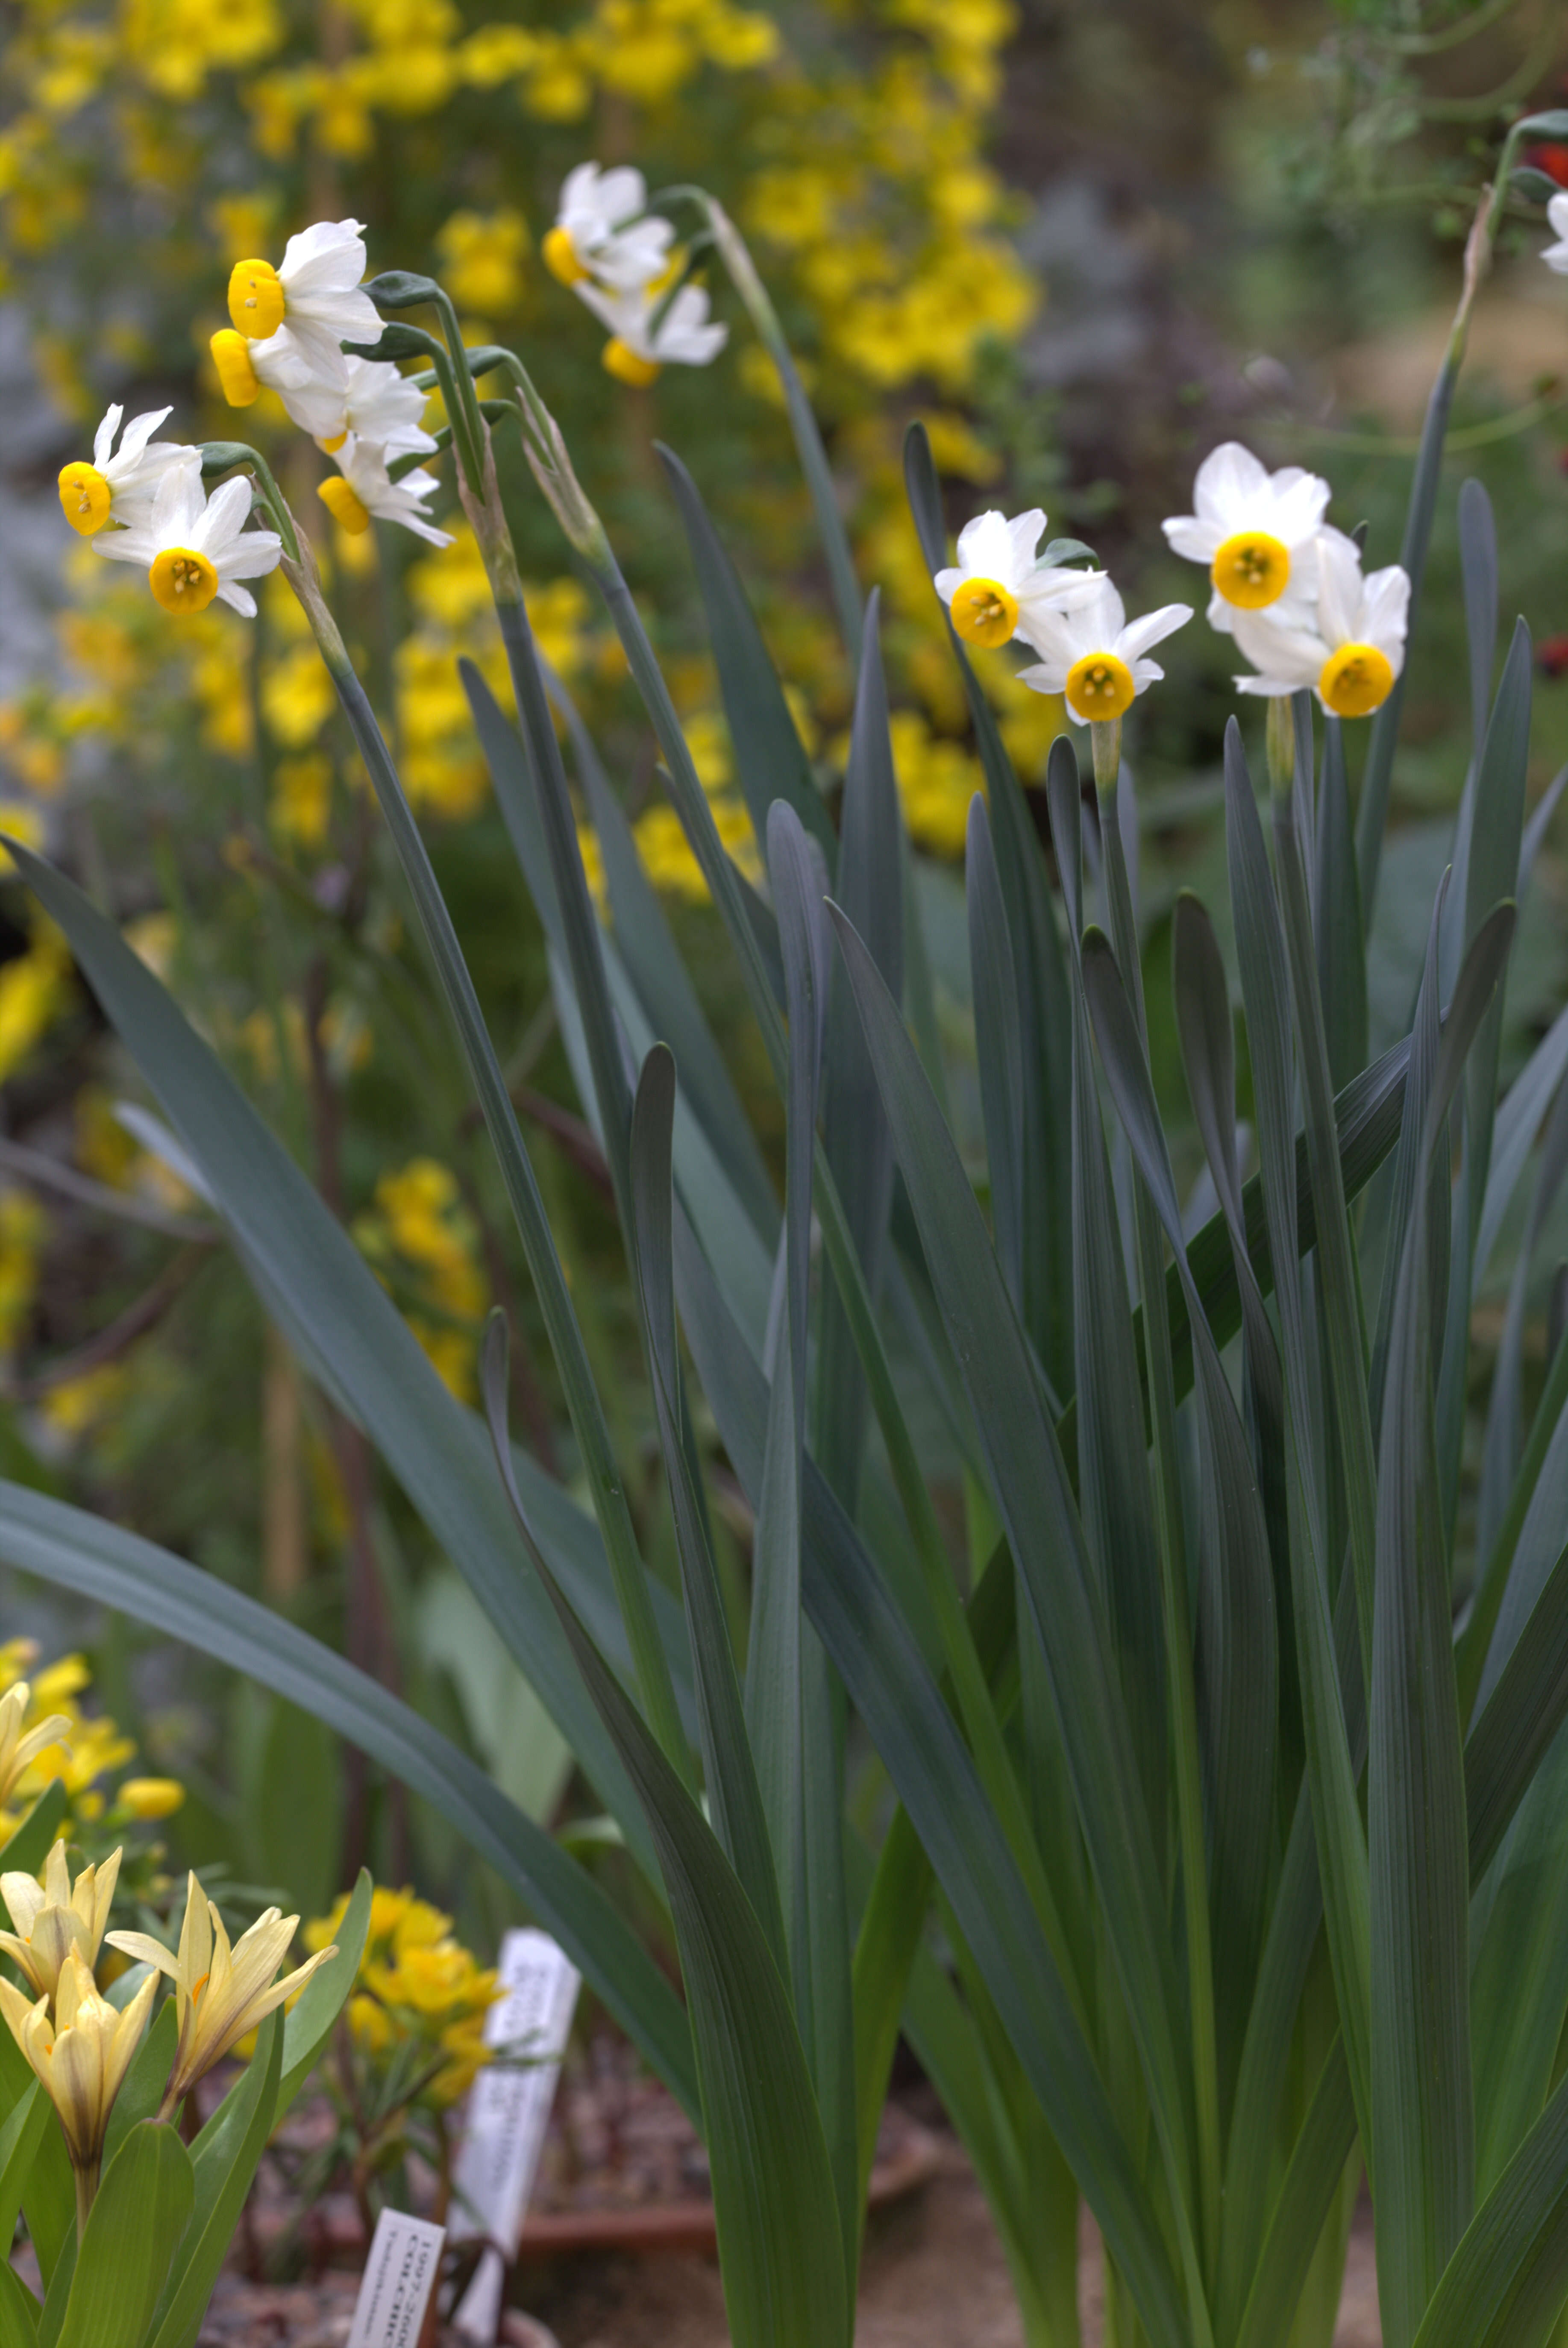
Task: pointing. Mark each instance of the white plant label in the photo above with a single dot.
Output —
(401, 2275)
(508, 2112)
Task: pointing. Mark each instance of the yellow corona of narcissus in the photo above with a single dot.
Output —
(604, 231)
(303, 311)
(194, 548)
(1257, 533)
(119, 484)
(1349, 648)
(999, 584)
(1096, 658)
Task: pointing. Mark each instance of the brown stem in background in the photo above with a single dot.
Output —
(576, 1139)
(120, 1335)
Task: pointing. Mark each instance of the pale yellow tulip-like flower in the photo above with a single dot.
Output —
(221, 1993)
(80, 2059)
(17, 1749)
(57, 1916)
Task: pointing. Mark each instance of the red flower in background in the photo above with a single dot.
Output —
(1551, 160)
(1552, 657)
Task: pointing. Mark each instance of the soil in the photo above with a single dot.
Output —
(934, 2274)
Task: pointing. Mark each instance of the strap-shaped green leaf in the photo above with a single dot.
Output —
(1114, 1495)
(1045, 1009)
(311, 2020)
(854, 1130)
(1035, 1502)
(27, 1847)
(48, 2194)
(1336, 1812)
(19, 2140)
(19, 2308)
(772, 2182)
(870, 1642)
(223, 2163)
(1337, 915)
(770, 762)
(314, 1280)
(143, 2208)
(730, 1772)
(1505, 2286)
(998, 1048)
(79, 1551)
(1237, 1640)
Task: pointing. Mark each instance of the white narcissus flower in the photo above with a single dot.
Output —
(598, 231)
(366, 397)
(1255, 531)
(996, 582)
(194, 548)
(363, 489)
(120, 483)
(1556, 256)
(1352, 646)
(301, 312)
(1095, 658)
(685, 336)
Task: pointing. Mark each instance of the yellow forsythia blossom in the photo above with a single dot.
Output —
(420, 1233)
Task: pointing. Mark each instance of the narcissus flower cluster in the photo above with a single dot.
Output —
(1000, 589)
(1288, 586)
(620, 258)
(287, 329)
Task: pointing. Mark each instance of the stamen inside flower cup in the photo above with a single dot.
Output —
(983, 612)
(1251, 570)
(232, 357)
(1356, 680)
(1100, 685)
(183, 580)
(560, 254)
(84, 499)
(622, 362)
(344, 505)
(255, 299)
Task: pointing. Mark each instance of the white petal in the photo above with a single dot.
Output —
(1557, 212)
(1228, 478)
(250, 556)
(1045, 676)
(1152, 629)
(1025, 531)
(139, 432)
(1301, 500)
(331, 254)
(1291, 655)
(239, 599)
(1145, 673)
(228, 509)
(1273, 687)
(1059, 589)
(1384, 611)
(1190, 536)
(103, 439)
(985, 548)
(1340, 588)
(620, 194)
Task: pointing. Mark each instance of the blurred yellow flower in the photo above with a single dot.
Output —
(482, 258)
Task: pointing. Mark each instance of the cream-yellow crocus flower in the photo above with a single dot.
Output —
(221, 1993)
(16, 1750)
(80, 2059)
(56, 1917)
